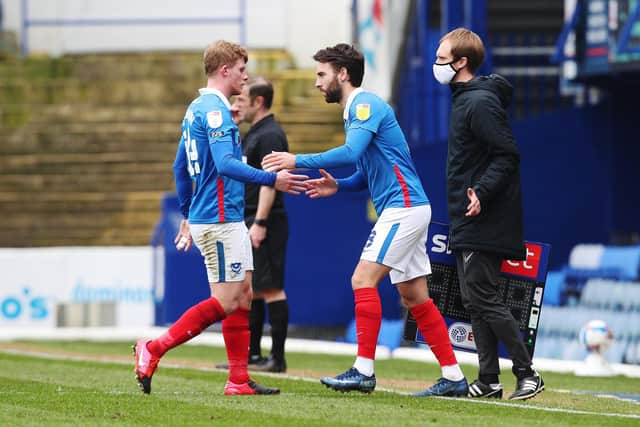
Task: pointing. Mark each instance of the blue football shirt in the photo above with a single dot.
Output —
(381, 155)
(208, 169)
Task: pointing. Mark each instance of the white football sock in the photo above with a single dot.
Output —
(452, 372)
(364, 366)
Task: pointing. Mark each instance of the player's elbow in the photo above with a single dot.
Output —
(225, 165)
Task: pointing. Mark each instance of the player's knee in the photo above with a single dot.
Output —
(359, 282)
(406, 302)
(229, 305)
(410, 301)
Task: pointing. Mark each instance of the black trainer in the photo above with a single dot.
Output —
(528, 387)
(271, 365)
(480, 389)
(253, 361)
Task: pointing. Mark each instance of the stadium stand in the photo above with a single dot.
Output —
(522, 36)
(600, 282)
(88, 140)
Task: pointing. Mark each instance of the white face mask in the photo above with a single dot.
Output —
(444, 73)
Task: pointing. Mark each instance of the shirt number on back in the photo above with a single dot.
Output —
(191, 147)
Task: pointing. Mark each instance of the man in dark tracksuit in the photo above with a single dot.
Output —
(485, 208)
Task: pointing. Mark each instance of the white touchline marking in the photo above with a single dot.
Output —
(479, 401)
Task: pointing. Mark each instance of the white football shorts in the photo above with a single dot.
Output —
(398, 240)
(226, 248)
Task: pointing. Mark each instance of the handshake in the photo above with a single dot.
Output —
(282, 162)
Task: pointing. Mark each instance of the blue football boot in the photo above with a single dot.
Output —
(352, 380)
(445, 387)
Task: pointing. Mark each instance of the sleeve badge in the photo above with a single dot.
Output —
(214, 118)
(363, 111)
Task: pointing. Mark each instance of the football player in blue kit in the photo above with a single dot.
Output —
(210, 177)
(397, 243)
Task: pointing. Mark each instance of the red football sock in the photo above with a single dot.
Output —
(434, 330)
(235, 330)
(193, 321)
(368, 320)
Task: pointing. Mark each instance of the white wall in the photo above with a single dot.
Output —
(35, 280)
(313, 25)
(296, 25)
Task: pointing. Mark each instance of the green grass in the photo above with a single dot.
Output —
(59, 391)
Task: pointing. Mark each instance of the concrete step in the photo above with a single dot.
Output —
(13, 116)
(19, 202)
(135, 66)
(76, 237)
(71, 182)
(63, 220)
(113, 92)
(87, 163)
(96, 114)
(119, 138)
(141, 138)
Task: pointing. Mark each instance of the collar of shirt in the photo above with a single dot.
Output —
(214, 91)
(262, 122)
(356, 91)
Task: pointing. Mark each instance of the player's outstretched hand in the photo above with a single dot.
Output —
(278, 160)
(183, 239)
(322, 187)
(290, 183)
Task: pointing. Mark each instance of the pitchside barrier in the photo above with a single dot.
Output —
(521, 288)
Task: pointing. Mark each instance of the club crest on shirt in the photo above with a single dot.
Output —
(214, 118)
(363, 111)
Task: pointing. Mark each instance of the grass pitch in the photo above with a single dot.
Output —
(86, 383)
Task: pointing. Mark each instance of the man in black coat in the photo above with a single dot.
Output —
(485, 207)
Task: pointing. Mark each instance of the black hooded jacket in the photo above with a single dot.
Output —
(483, 155)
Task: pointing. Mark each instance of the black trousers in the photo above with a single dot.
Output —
(491, 320)
(269, 258)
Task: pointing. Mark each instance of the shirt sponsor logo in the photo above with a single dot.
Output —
(217, 134)
(214, 118)
(527, 268)
(363, 111)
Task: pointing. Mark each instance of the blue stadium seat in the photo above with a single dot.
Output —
(626, 259)
(586, 256)
(600, 282)
(554, 287)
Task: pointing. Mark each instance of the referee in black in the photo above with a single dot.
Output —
(266, 218)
